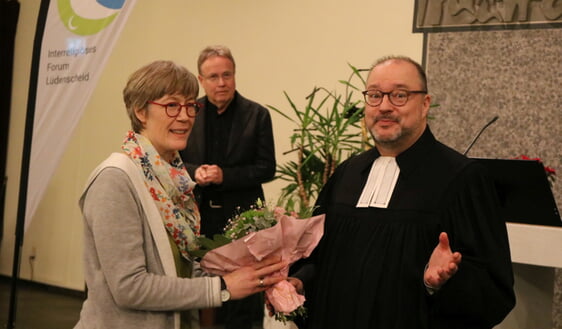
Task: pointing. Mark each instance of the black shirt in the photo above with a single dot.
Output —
(217, 130)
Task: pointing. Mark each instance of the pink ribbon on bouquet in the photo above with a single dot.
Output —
(291, 239)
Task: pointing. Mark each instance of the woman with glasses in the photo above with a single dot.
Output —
(141, 221)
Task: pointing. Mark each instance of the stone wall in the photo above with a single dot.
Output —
(514, 74)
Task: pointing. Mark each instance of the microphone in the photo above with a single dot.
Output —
(494, 119)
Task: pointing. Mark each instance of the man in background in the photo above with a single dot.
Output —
(230, 155)
(394, 216)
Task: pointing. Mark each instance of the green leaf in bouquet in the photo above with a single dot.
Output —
(221, 240)
(299, 312)
(200, 253)
(206, 244)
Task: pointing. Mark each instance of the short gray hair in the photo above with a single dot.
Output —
(153, 81)
(212, 51)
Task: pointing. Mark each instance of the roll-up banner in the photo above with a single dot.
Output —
(77, 41)
(73, 41)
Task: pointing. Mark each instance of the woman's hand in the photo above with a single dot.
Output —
(249, 280)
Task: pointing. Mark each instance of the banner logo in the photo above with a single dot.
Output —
(87, 17)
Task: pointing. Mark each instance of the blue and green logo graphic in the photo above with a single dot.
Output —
(87, 17)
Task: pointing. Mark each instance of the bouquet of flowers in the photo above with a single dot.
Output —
(260, 232)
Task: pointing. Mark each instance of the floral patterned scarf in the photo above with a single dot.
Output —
(171, 189)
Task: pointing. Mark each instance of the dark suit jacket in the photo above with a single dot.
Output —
(250, 155)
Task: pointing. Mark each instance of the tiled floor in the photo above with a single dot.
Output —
(39, 307)
(42, 307)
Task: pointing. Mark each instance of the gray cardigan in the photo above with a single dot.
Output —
(129, 267)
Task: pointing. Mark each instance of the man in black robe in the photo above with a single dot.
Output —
(394, 216)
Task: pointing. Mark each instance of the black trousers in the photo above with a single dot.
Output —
(241, 314)
(213, 220)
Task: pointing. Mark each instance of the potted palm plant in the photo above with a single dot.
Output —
(328, 129)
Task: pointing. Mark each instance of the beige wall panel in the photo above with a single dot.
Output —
(278, 46)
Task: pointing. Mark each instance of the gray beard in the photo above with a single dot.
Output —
(389, 141)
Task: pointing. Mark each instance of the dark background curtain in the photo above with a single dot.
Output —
(9, 12)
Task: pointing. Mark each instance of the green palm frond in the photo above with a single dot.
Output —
(327, 131)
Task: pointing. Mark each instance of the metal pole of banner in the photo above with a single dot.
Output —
(9, 12)
(28, 135)
(8, 21)
(3, 204)
(10, 15)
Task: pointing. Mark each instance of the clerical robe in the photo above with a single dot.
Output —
(368, 268)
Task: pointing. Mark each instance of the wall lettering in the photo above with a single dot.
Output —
(442, 15)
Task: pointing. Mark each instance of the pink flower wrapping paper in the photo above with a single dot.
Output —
(290, 238)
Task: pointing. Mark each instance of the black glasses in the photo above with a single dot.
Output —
(398, 97)
(173, 109)
(226, 76)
